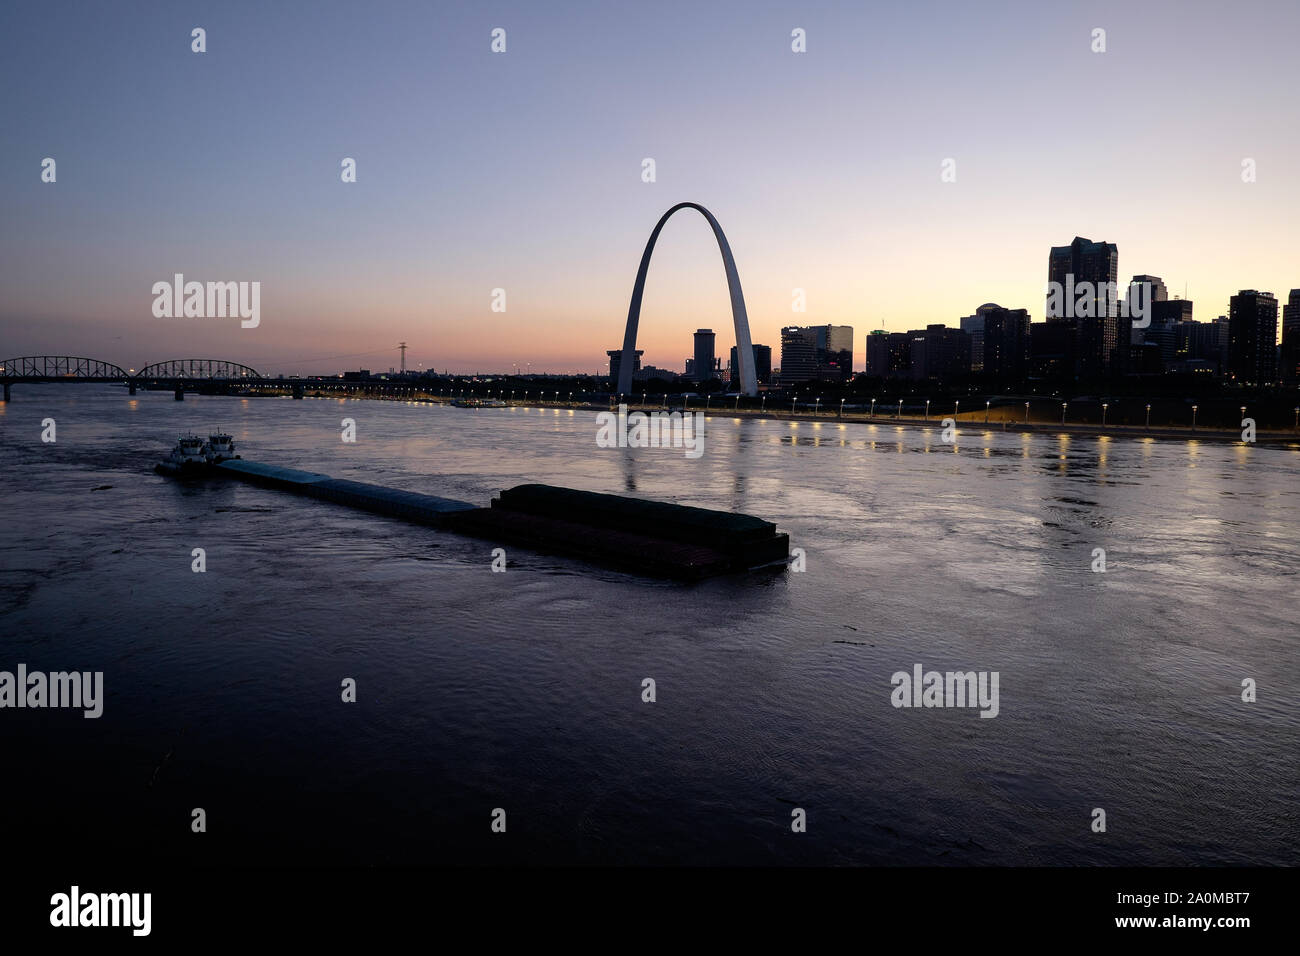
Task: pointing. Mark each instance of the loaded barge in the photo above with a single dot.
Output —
(651, 537)
(654, 538)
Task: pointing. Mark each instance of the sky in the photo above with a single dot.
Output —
(523, 170)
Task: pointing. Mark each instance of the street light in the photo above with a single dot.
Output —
(900, 409)
(955, 405)
(1026, 413)
(737, 401)
(1104, 406)
(1193, 417)
(1148, 416)
(841, 408)
(764, 408)
(817, 406)
(792, 403)
(1243, 412)
(927, 409)
(1063, 405)
(873, 408)
(986, 412)
(1297, 418)
(707, 398)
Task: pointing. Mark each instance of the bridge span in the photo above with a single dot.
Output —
(177, 374)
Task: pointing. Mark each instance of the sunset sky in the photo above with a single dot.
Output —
(522, 170)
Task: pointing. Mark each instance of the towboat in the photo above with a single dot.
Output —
(188, 459)
(220, 447)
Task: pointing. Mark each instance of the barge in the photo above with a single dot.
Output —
(393, 502)
(650, 537)
(655, 538)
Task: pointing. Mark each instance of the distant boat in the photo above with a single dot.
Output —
(478, 403)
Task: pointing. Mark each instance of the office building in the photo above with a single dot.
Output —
(1290, 370)
(973, 325)
(1096, 314)
(1159, 293)
(939, 353)
(816, 353)
(616, 360)
(703, 367)
(762, 365)
(1052, 349)
(889, 354)
(1252, 338)
(1166, 316)
(1006, 343)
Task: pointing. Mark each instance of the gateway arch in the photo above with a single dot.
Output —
(744, 348)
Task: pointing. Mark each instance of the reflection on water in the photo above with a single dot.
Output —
(1119, 689)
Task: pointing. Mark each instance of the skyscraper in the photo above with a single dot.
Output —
(973, 325)
(798, 354)
(703, 368)
(616, 359)
(1083, 261)
(1252, 338)
(762, 365)
(1159, 293)
(1006, 343)
(1095, 263)
(835, 356)
(1166, 317)
(889, 354)
(817, 352)
(1290, 370)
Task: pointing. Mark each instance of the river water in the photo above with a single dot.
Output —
(522, 691)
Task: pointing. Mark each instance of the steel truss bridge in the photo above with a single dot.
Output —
(174, 373)
(181, 375)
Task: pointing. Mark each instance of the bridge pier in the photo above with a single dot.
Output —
(6, 391)
(297, 391)
(180, 393)
(130, 387)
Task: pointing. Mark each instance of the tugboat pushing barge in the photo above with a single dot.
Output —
(655, 538)
(193, 457)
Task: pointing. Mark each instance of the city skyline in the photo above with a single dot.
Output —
(599, 367)
(824, 167)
